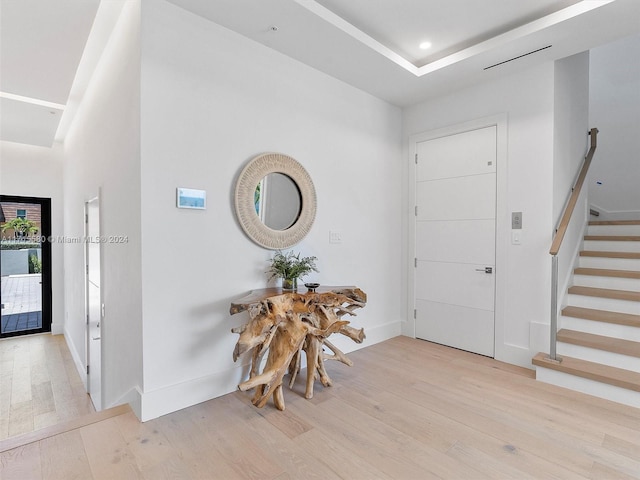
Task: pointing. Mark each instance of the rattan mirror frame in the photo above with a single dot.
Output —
(251, 175)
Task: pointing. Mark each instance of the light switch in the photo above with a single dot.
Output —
(516, 237)
(335, 236)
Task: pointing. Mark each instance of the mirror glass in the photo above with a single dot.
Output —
(277, 201)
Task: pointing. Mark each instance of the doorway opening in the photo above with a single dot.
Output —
(94, 305)
(25, 265)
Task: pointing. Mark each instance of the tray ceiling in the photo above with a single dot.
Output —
(48, 48)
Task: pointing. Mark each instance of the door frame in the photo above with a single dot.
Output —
(45, 245)
(87, 306)
(502, 221)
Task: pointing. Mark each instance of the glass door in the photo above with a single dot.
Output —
(25, 265)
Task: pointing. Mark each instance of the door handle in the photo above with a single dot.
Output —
(485, 269)
(95, 338)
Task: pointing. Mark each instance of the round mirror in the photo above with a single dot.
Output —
(275, 201)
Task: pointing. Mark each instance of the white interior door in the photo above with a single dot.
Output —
(455, 240)
(94, 302)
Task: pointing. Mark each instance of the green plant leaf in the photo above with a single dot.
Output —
(290, 265)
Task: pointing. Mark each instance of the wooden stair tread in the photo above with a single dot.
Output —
(605, 293)
(604, 272)
(615, 222)
(591, 370)
(600, 342)
(602, 316)
(593, 253)
(613, 238)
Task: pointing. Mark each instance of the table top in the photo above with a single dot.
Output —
(256, 296)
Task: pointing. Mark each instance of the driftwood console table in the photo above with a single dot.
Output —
(283, 324)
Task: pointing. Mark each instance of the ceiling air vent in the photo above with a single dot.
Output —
(519, 56)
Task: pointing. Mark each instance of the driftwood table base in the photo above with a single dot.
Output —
(284, 324)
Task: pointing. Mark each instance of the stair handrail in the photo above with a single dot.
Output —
(575, 193)
(559, 236)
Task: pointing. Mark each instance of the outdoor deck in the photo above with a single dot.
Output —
(21, 302)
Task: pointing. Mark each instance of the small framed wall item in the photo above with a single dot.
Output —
(191, 198)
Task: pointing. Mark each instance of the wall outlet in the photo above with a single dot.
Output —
(516, 220)
(335, 236)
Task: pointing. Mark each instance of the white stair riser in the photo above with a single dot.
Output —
(626, 362)
(613, 230)
(599, 356)
(590, 387)
(611, 246)
(598, 303)
(612, 283)
(610, 263)
(600, 328)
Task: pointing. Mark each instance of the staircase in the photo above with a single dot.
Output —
(599, 335)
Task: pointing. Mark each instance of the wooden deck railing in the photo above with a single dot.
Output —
(559, 236)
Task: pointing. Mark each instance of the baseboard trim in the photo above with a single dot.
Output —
(172, 398)
(514, 354)
(80, 364)
(616, 215)
(133, 398)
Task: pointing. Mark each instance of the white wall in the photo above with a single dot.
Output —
(37, 171)
(102, 154)
(571, 143)
(528, 101)
(615, 111)
(212, 100)
(571, 124)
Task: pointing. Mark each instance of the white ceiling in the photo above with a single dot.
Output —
(41, 44)
(48, 52)
(370, 44)
(402, 25)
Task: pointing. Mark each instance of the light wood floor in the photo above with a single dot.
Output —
(39, 384)
(407, 409)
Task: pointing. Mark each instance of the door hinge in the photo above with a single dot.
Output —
(416, 211)
(415, 262)
(416, 158)
(86, 218)
(87, 268)
(87, 369)
(87, 319)
(415, 313)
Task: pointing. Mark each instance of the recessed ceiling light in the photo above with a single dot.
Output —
(425, 45)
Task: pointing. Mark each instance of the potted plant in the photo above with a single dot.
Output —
(290, 267)
(21, 227)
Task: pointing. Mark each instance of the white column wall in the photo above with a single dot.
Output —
(102, 154)
(571, 124)
(212, 100)
(571, 143)
(615, 111)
